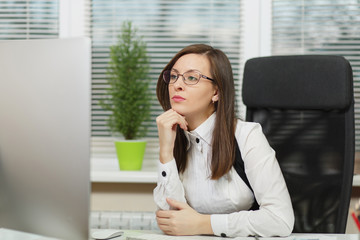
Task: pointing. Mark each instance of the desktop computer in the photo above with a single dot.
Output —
(45, 104)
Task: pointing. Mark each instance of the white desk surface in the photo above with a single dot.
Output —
(152, 236)
(7, 234)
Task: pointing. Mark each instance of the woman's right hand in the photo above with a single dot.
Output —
(166, 124)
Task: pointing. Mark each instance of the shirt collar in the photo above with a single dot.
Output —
(204, 131)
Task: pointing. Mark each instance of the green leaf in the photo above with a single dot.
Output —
(128, 79)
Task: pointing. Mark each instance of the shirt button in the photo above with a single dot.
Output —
(197, 140)
(163, 173)
(223, 234)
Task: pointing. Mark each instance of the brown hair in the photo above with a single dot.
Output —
(223, 152)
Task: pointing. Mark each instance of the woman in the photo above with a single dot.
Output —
(198, 189)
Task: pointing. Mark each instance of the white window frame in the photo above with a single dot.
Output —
(73, 18)
(257, 28)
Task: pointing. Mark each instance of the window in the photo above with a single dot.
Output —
(320, 27)
(29, 19)
(297, 27)
(167, 27)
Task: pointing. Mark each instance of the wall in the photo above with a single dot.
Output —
(122, 197)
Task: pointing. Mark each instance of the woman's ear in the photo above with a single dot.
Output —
(215, 98)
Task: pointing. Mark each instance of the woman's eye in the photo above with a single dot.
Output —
(173, 76)
(192, 78)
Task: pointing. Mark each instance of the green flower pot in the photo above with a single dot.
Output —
(130, 154)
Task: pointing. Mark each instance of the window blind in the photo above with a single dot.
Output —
(167, 26)
(31, 19)
(320, 27)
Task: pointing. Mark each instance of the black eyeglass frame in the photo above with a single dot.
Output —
(178, 75)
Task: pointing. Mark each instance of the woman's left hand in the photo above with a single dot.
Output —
(183, 221)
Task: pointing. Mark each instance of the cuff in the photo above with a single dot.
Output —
(219, 223)
(166, 170)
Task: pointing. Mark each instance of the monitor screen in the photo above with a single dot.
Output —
(45, 136)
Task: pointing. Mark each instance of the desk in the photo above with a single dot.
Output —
(142, 235)
(7, 234)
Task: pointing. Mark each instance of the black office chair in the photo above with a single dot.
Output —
(306, 108)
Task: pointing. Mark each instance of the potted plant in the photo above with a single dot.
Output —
(128, 96)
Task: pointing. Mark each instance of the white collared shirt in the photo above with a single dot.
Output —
(228, 198)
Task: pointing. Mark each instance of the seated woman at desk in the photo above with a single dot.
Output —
(198, 190)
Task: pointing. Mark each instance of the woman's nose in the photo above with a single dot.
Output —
(179, 84)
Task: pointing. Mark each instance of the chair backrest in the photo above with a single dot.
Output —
(306, 108)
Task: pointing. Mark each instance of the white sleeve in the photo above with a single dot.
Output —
(168, 185)
(275, 216)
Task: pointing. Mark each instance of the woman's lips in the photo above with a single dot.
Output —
(177, 98)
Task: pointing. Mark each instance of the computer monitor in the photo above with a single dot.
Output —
(45, 136)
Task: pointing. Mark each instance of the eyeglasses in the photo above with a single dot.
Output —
(191, 77)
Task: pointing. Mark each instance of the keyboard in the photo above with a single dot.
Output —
(123, 220)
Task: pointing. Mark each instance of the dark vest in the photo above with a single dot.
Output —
(240, 169)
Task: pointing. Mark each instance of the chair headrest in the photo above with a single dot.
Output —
(298, 82)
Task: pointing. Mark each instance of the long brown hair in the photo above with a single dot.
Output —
(223, 152)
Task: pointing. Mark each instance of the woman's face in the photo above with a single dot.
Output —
(195, 102)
